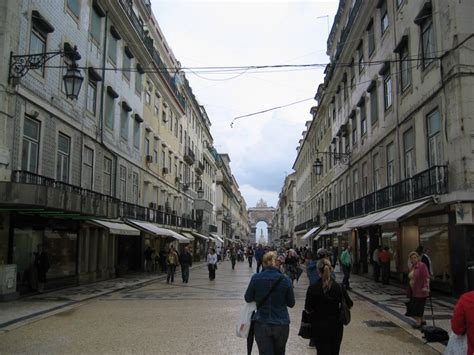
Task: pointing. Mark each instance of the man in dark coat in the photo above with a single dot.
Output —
(185, 260)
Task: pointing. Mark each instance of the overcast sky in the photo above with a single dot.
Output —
(225, 33)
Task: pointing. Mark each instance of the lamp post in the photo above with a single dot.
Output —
(196, 184)
(21, 64)
(344, 158)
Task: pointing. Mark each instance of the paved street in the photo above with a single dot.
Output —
(145, 315)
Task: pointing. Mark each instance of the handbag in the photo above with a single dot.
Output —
(457, 345)
(305, 326)
(345, 312)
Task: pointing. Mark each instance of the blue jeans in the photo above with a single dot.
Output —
(185, 272)
(271, 339)
(171, 271)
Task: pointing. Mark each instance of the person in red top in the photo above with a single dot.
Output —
(463, 319)
(384, 259)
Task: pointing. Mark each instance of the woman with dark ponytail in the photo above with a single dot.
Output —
(323, 303)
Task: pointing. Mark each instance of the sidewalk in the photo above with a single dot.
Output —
(28, 309)
(391, 299)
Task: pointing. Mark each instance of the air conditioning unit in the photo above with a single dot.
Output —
(153, 205)
(149, 159)
(164, 171)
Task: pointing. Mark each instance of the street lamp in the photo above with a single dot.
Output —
(344, 158)
(196, 184)
(21, 64)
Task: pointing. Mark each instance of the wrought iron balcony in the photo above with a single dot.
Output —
(49, 193)
(189, 156)
(433, 181)
(199, 168)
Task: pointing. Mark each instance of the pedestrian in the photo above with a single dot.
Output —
(291, 264)
(259, 256)
(148, 258)
(384, 260)
(376, 263)
(346, 264)
(185, 260)
(41, 265)
(233, 257)
(212, 263)
(249, 255)
(162, 257)
(172, 262)
(422, 252)
(323, 304)
(335, 255)
(418, 289)
(462, 321)
(273, 293)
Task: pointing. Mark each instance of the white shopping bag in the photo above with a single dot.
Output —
(243, 325)
(457, 345)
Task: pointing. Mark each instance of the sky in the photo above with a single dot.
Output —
(222, 33)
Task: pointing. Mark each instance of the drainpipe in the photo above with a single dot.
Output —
(395, 108)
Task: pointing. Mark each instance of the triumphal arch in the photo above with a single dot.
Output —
(261, 213)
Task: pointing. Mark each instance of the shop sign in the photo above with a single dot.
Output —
(464, 213)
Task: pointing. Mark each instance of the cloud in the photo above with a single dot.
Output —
(262, 148)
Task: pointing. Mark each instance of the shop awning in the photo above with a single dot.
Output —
(399, 213)
(310, 233)
(371, 218)
(328, 231)
(200, 236)
(188, 235)
(154, 229)
(212, 239)
(217, 237)
(116, 227)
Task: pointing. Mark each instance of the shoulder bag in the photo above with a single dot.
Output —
(345, 312)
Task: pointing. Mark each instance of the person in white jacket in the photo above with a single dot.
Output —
(212, 263)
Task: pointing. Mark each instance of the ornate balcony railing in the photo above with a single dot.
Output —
(189, 156)
(26, 177)
(433, 181)
(310, 223)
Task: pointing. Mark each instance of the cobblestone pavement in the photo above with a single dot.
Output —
(146, 315)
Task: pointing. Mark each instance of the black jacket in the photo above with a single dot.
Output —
(186, 259)
(324, 308)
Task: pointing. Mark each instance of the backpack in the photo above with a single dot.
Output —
(435, 334)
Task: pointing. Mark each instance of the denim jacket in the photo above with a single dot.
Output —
(274, 310)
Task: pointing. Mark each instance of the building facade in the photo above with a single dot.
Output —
(391, 134)
(129, 163)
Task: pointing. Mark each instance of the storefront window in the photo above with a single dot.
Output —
(390, 240)
(25, 244)
(434, 239)
(61, 249)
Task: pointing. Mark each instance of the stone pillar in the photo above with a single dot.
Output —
(4, 236)
(92, 254)
(111, 251)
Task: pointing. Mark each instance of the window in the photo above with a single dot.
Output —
(176, 123)
(96, 24)
(383, 16)
(109, 111)
(348, 187)
(428, 44)
(371, 38)
(374, 107)
(147, 146)
(390, 164)
(88, 168)
(387, 89)
(139, 85)
(136, 134)
(156, 156)
(163, 113)
(157, 104)
(92, 96)
(123, 183)
(365, 179)
(181, 134)
(63, 157)
(171, 121)
(107, 176)
(354, 131)
(163, 158)
(112, 46)
(409, 148)
(360, 51)
(30, 149)
(126, 64)
(356, 184)
(405, 72)
(363, 119)
(124, 124)
(75, 7)
(352, 73)
(435, 149)
(38, 44)
(376, 166)
(135, 188)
